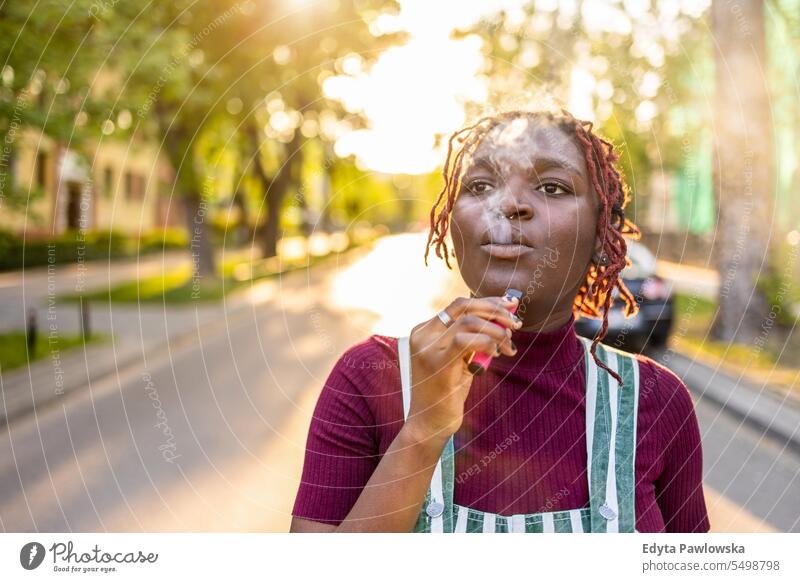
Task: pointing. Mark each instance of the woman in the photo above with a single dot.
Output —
(559, 434)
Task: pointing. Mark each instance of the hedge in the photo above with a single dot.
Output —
(70, 247)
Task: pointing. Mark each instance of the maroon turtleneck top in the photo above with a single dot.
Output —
(533, 403)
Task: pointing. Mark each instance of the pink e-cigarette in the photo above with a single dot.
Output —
(479, 362)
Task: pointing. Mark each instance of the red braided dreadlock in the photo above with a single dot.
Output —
(594, 296)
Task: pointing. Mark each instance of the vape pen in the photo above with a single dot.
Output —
(479, 362)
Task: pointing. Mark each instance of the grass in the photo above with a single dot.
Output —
(177, 287)
(14, 348)
(771, 364)
(174, 286)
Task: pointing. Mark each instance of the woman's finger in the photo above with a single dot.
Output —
(491, 308)
(464, 343)
(475, 324)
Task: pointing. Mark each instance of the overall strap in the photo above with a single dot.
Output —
(611, 411)
(437, 509)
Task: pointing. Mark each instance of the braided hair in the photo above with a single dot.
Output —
(594, 297)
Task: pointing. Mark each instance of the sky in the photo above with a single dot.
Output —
(416, 91)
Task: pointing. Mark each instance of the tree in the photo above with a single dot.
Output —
(283, 58)
(219, 59)
(48, 55)
(630, 67)
(175, 83)
(743, 169)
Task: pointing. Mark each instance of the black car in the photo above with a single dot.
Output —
(651, 326)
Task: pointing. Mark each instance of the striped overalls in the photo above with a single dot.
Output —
(611, 452)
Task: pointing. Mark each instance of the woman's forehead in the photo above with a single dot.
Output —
(522, 142)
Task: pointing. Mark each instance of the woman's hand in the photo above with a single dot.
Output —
(439, 357)
(392, 498)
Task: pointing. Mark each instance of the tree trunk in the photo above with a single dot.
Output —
(8, 180)
(200, 247)
(242, 231)
(178, 146)
(743, 169)
(269, 230)
(274, 188)
(307, 222)
(325, 223)
(58, 196)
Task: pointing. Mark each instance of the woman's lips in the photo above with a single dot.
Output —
(506, 251)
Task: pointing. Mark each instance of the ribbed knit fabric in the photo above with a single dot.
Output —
(521, 447)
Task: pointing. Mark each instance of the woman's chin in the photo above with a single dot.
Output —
(496, 287)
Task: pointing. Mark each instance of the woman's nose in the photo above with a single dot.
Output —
(514, 204)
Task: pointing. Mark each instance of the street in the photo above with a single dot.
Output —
(209, 435)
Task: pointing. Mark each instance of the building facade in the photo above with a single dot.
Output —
(105, 184)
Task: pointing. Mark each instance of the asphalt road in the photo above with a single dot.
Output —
(750, 469)
(210, 437)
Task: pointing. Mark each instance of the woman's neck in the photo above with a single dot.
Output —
(555, 319)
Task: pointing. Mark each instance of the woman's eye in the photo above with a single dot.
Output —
(479, 186)
(553, 188)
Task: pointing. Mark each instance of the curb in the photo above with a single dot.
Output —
(760, 406)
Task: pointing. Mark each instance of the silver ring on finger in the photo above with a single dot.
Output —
(445, 318)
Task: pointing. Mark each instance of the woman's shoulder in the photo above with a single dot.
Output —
(663, 395)
(653, 376)
(659, 387)
(373, 349)
(666, 411)
(656, 377)
(369, 364)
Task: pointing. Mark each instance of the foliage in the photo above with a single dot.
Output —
(72, 246)
(638, 68)
(779, 283)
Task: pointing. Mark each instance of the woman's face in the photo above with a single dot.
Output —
(526, 217)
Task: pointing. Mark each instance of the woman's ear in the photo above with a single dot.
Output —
(599, 257)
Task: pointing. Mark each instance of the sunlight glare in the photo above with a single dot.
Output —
(393, 282)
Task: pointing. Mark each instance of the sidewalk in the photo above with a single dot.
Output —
(689, 280)
(759, 405)
(38, 287)
(695, 281)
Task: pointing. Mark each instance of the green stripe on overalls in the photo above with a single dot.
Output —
(599, 453)
(626, 443)
(611, 413)
(613, 503)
